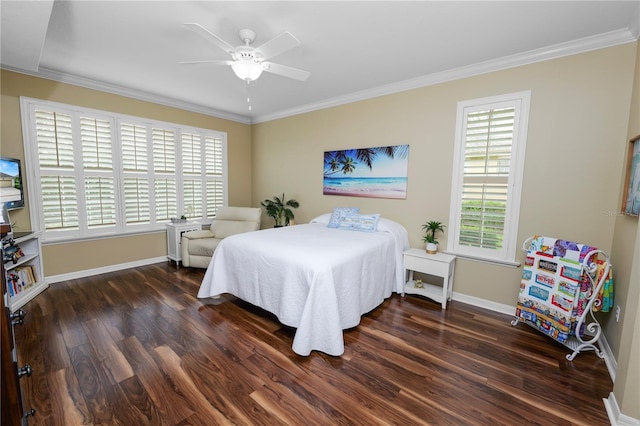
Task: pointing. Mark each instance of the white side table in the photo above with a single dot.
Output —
(439, 264)
(174, 238)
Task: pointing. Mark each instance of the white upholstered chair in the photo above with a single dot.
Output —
(198, 246)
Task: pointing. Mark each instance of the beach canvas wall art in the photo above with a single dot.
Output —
(379, 172)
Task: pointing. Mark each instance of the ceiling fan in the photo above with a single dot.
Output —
(248, 62)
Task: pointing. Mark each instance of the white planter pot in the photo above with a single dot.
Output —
(432, 248)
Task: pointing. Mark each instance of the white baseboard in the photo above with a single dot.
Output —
(615, 416)
(484, 303)
(103, 270)
(609, 359)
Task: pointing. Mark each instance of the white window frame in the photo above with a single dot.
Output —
(32, 169)
(506, 255)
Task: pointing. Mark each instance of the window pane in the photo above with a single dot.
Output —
(54, 139)
(191, 154)
(136, 200)
(134, 147)
(213, 156)
(483, 215)
(166, 200)
(164, 151)
(59, 202)
(215, 197)
(487, 179)
(489, 137)
(96, 143)
(487, 157)
(100, 201)
(192, 198)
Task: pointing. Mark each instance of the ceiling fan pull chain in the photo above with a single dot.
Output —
(248, 94)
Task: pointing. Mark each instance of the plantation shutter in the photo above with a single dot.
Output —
(98, 173)
(100, 201)
(164, 167)
(165, 192)
(95, 136)
(488, 166)
(53, 132)
(214, 168)
(135, 164)
(487, 157)
(97, 159)
(192, 171)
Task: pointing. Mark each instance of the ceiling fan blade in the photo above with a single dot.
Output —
(211, 37)
(211, 61)
(277, 45)
(286, 71)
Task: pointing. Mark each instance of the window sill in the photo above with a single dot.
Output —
(497, 262)
(67, 240)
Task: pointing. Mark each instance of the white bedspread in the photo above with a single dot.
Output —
(316, 279)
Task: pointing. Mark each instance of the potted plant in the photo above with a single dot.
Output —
(431, 228)
(280, 210)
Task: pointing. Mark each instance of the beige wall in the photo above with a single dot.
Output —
(579, 115)
(579, 122)
(67, 258)
(625, 337)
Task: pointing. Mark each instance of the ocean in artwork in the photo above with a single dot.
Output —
(376, 172)
(375, 187)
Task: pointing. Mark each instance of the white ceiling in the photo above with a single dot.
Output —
(353, 49)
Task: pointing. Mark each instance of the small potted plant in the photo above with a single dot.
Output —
(431, 228)
(280, 210)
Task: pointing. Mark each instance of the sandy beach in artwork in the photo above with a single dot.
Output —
(367, 187)
(380, 194)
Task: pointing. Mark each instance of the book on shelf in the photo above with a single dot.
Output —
(20, 279)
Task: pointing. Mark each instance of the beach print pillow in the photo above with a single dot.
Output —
(339, 214)
(361, 222)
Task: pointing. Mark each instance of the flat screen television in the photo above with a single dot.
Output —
(11, 190)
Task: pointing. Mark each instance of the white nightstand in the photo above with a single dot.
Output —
(439, 264)
(174, 238)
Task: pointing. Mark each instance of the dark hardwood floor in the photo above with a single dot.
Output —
(137, 347)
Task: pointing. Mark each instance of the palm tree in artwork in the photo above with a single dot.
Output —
(334, 164)
(348, 165)
(341, 161)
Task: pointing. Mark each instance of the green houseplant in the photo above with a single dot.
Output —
(430, 228)
(280, 210)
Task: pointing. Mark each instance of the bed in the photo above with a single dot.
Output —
(317, 279)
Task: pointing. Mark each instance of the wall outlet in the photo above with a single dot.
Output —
(617, 313)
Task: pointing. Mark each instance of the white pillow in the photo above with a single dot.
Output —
(339, 214)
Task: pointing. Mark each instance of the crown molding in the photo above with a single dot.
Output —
(609, 39)
(586, 44)
(129, 93)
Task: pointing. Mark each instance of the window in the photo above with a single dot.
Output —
(95, 173)
(487, 176)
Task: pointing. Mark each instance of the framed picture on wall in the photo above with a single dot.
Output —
(631, 195)
(377, 172)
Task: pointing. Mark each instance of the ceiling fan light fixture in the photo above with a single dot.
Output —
(247, 70)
